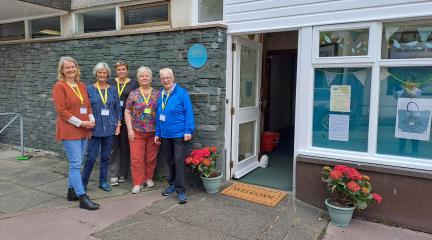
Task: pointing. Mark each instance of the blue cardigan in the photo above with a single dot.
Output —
(105, 125)
(179, 116)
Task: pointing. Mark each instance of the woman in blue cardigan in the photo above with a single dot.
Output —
(174, 128)
(107, 113)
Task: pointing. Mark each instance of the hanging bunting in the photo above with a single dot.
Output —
(390, 30)
(361, 76)
(424, 33)
(384, 74)
(330, 76)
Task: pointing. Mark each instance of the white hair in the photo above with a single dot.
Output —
(100, 66)
(143, 69)
(167, 70)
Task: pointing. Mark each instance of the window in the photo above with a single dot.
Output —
(407, 40)
(45, 27)
(96, 21)
(405, 107)
(341, 108)
(12, 31)
(353, 42)
(210, 10)
(146, 15)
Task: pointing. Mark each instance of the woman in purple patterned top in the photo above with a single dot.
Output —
(140, 118)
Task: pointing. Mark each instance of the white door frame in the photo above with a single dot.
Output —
(303, 55)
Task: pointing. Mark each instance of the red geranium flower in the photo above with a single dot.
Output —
(353, 186)
(377, 197)
(353, 174)
(341, 168)
(335, 174)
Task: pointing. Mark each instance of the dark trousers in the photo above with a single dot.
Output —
(119, 163)
(93, 146)
(174, 152)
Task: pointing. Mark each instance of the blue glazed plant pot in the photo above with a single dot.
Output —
(211, 185)
(339, 216)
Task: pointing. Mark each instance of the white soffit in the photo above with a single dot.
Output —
(11, 10)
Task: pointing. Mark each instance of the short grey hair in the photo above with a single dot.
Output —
(100, 66)
(143, 69)
(167, 70)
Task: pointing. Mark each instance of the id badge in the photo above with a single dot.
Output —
(121, 103)
(148, 111)
(105, 112)
(83, 110)
(162, 118)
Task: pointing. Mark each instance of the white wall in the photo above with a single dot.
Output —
(272, 15)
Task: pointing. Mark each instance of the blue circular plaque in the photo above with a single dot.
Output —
(197, 55)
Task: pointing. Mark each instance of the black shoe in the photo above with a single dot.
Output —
(71, 195)
(86, 203)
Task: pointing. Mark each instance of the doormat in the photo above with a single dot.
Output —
(265, 196)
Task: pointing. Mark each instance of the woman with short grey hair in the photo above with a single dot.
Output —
(140, 120)
(107, 113)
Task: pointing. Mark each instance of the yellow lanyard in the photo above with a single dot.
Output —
(104, 100)
(120, 91)
(77, 92)
(164, 102)
(146, 99)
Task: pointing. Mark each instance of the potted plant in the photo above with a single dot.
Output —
(350, 189)
(203, 161)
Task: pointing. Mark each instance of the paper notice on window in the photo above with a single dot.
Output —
(340, 98)
(413, 118)
(339, 127)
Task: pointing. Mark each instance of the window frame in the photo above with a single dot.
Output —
(195, 14)
(76, 22)
(374, 61)
(373, 31)
(29, 27)
(141, 25)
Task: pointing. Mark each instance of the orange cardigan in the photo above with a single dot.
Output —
(67, 104)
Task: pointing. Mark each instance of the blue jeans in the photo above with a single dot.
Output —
(75, 152)
(105, 146)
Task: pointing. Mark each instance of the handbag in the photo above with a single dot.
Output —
(413, 121)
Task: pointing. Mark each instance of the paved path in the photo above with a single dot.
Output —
(33, 206)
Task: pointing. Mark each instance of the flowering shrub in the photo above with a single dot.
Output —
(203, 160)
(349, 187)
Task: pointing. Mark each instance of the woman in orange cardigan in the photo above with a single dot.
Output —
(74, 123)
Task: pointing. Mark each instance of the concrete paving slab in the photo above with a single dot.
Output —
(61, 168)
(8, 188)
(150, 228)
(297, 221)
(72, 223)
(9, 164)
(22, 200)
(9, 154)
(362, 230)
(36, 177)
(42, 162)
(56, 187)
(13, 172)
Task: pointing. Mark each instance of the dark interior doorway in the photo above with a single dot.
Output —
(278, 111)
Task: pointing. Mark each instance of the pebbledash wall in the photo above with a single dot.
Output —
(28, 72)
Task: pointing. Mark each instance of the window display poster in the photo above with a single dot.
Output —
(339, 127)
(340, 98)
(413, 118)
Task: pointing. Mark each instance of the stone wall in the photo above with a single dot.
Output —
(28, 72)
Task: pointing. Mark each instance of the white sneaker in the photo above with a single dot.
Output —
(150, 183)
(136, 189)
(113, 181)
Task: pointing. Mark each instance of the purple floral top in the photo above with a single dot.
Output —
(142, 121)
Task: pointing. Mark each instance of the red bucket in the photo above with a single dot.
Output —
(269, 140)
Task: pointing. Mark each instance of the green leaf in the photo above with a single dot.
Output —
(361, 204)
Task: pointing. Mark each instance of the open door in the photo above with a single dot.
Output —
(246, 112)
